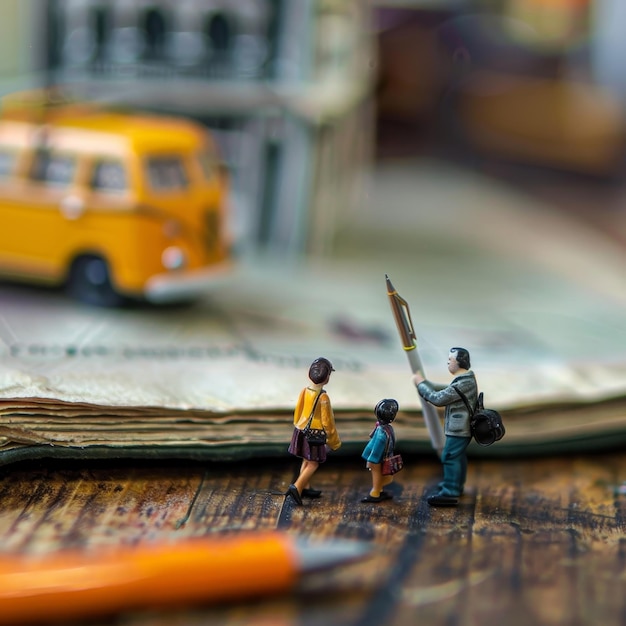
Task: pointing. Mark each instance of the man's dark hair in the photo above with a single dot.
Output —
(320, 370)
(462, 357)
(386, 410)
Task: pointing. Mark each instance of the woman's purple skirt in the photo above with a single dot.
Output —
(299, 446)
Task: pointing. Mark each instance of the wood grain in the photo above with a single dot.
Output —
(536, 541)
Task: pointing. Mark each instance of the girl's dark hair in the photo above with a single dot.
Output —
(386, 410)
(320, 370)
(462, 357)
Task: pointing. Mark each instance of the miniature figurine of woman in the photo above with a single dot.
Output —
(380, 446)
(314, 409)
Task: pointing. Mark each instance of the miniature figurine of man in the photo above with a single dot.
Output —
(456, 424)
(313, 408)
(380, 446)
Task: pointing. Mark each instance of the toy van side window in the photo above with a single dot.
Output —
(108, 176)
(7, 162)
(166, 173)
(52, 169)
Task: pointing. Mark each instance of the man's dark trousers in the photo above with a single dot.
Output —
(454, 461)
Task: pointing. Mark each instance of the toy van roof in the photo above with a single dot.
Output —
(86, 128)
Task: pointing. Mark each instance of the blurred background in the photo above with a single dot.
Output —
(529, 92)
(303, 97)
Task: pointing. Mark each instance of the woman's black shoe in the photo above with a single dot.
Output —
(311, 493)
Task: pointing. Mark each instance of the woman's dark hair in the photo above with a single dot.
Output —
(462, 357)
(386, 410)
(320, 370)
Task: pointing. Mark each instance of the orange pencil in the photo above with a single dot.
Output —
(73, 584)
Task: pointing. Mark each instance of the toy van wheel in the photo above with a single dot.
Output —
(90, 281)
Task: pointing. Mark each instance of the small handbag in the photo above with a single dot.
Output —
(393, 463)
(314, 436)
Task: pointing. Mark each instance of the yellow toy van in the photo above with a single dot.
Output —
(113, 205)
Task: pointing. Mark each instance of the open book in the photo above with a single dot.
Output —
(538, 300)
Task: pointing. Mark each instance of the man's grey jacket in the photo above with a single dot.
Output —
(457, 419)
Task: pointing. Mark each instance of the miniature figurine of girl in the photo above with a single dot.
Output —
(380, 446)
(313, 409)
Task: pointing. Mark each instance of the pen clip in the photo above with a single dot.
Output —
(406, 323)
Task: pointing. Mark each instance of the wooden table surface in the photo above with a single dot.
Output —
(534, 541)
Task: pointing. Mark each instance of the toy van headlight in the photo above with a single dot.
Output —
(173, 258)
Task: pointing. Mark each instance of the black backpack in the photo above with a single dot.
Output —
(485, 424)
